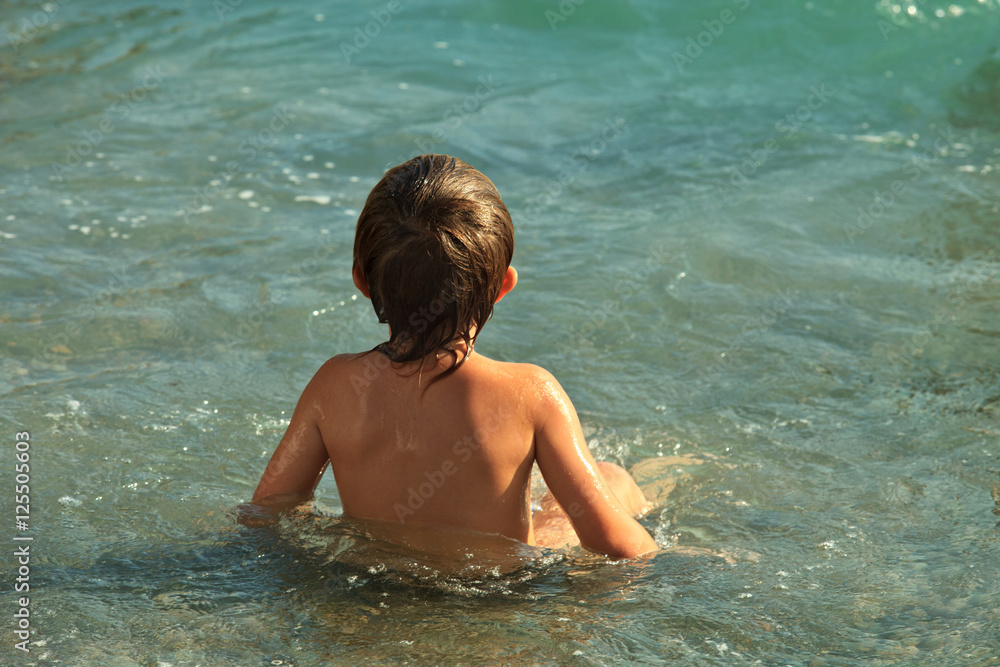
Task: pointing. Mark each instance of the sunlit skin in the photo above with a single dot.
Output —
(457, 452)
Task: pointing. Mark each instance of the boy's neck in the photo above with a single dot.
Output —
(455, 351)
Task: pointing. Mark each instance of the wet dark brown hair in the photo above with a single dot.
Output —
(433, 242)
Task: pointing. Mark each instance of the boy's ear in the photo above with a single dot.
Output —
(509, 280)
(360, 282)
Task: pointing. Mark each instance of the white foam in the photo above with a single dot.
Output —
(322, 200)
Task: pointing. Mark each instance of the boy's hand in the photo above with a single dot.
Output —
(254, 515)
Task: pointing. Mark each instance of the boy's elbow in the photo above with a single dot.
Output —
(628, 548)
(647, 548)
(635, 550)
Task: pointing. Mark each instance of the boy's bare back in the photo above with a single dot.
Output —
(423, 429)
(457, 452)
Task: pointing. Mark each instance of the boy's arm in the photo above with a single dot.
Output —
(301, 457)
(571, 474)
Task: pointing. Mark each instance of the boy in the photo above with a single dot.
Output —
(421, 429)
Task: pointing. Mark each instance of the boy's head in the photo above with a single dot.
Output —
(432, 250)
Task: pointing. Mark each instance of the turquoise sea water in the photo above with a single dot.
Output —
(759, 243)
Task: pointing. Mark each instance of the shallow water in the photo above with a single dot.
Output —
(780, 259)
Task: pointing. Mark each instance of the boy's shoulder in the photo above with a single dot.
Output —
(358, 369)
(529, 386)
(362, 368)
(509, 371)
(525, 373)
